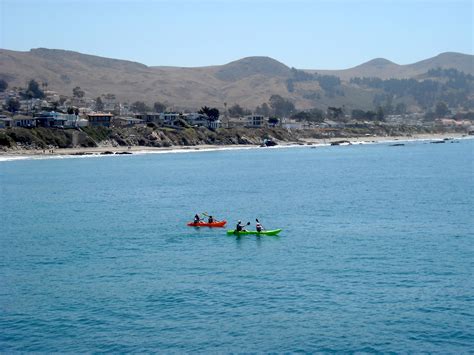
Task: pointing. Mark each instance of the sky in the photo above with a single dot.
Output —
(304, 34)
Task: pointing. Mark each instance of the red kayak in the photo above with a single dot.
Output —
(204, 224)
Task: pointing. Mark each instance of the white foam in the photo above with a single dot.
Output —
(8, 158)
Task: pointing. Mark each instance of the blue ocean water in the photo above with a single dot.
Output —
(376, 253)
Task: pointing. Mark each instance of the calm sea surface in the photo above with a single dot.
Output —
(376, 253)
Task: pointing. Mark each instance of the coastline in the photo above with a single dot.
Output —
(22, 154)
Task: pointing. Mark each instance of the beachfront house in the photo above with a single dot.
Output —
(196, 119)
(288, 123)
(213, 124)
(255, 121)
(169, 118)
(99, 119)
(200, 120)
(51, 119)
(149, 117)
(23, 121)
(126, 121)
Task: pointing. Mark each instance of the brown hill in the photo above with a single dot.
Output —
(385, 69)
(248, 81)
(250, 66)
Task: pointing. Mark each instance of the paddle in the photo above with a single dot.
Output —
(263, 228)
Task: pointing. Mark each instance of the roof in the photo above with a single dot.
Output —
(100, 114)
(128, 119)
(22, 117)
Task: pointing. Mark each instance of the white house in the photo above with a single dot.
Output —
(255, 121)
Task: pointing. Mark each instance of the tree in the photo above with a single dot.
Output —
(313, 115)
(329, 83)
(400, 109)
(363, 115)
(159, 107)
(109, 97)
(273, 121)
(33, 91)
(380, 114)
(236, 111)
(281, 106)
(140, 106)
(78, 93)
(3, 85)
(99, 105)
(358, 114)
(12, 105)
(441, 109)
(335, 112)
(263, 110)
(212, 113)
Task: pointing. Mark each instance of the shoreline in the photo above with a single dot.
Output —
(23, 154)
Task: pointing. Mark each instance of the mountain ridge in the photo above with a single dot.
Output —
(249, 81)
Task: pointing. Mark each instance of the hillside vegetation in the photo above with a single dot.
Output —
(248, 82)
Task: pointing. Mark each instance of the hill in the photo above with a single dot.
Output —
(249, 81)
(385, 69)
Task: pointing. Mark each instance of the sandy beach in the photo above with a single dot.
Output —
(109, 150)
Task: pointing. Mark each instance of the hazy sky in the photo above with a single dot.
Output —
(305, 34)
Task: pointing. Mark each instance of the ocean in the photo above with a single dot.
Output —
(376, 252)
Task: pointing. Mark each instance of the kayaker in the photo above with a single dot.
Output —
(210, 219)
(258, 227)
(197, 219)
(239, 227)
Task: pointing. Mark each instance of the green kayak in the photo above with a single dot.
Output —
(268, 232)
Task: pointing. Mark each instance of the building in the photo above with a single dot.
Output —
(196, 119)
(288, 123)
(213, 124)
(53, 119)
(99, 119)
(255, 121)
(126, 121)
(169, 118)
(149, 117)
(23, 121)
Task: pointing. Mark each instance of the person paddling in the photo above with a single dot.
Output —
(197, 219)
(239, 227)
(210, 219)
(258, 226)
